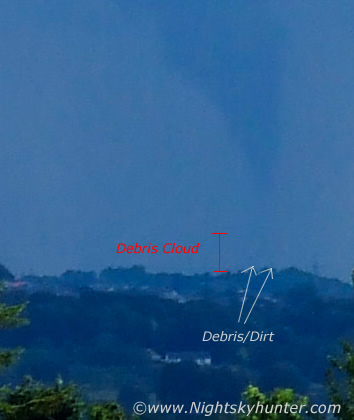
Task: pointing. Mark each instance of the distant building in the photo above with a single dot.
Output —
(16, 284)
(155, 357)
(200, 358)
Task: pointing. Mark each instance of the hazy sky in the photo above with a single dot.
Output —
(163, 121)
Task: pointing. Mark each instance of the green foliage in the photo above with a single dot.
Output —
(106, 411)
(8, 357)
(254, 396)
(34, 401)
(10, 317)
(340, 380)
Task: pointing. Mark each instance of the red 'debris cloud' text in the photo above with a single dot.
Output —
(153, 249)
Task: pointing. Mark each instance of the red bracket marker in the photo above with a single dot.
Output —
(219, 251)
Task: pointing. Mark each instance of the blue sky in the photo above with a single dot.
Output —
(164, 121)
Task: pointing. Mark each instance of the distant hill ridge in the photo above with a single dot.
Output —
(178, 285)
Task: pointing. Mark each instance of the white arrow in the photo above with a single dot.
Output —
(265, 281)
(249, 279)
